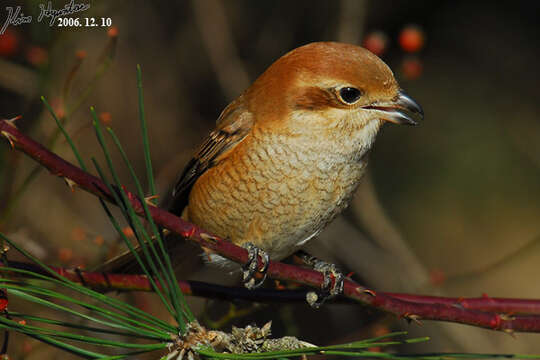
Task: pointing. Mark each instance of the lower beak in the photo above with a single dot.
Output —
(401, 110)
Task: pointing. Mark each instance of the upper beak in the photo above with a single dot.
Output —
(399, 110)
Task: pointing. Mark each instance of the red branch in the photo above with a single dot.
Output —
(401, 307)
(131, 282)
(483, 303)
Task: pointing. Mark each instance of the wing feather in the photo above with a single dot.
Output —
(232, 127)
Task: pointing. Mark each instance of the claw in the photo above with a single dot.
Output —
(250, 268)
(329, 288)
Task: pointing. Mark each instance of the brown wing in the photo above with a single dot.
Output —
(232, 127)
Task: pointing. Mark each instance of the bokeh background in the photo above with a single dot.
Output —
(450, 207)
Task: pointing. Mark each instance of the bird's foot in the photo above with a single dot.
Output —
(332, 284)
(250, 269)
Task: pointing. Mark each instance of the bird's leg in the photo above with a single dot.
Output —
(329, 288)
(251, 267)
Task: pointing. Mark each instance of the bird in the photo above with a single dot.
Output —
(287, 155)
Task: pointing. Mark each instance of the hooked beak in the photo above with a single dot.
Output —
(398, 111)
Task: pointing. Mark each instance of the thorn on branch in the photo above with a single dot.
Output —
(369, 292)
(414, 318)
(507, 317)
(9, 137)
(148, 200)
(12, 121)
(72, 184)
(189, 233)
(207, 237)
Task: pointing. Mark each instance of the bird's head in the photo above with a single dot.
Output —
(330, 86)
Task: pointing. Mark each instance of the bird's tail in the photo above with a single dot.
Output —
(185, 257)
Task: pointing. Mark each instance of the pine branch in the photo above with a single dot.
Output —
(402, 308)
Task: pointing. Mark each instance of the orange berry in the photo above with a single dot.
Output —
(78, 234)
(58, 107)
(36, 55)
(411, 68)
(113, 31)
(105, 118)
(3, 304)
(65, 254)
(380, 330)
(128, 231)
(375, 42)
(81, 54)
(411, 38)
(9, 43)
(99, 240)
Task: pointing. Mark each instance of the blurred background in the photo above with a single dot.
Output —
(448, 208)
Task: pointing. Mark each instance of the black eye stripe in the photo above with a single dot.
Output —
(350, 95)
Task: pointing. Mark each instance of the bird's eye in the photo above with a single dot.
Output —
(350, 95)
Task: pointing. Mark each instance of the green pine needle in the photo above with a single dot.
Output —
(127, 209)
(64, 132)
(60, 280)
(176, 293)
(157, 289)
(144, 130)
